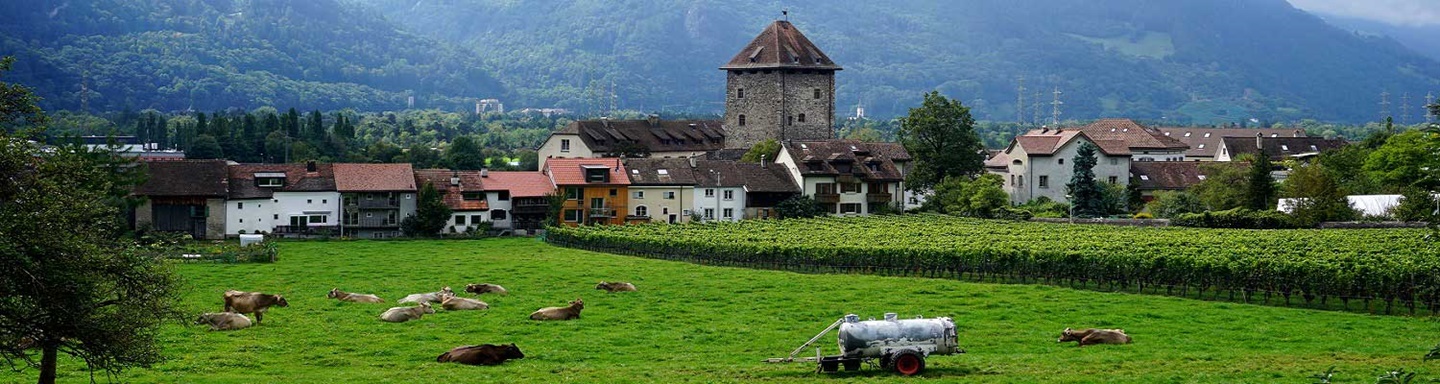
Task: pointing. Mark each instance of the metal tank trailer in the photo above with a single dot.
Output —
(893, 343)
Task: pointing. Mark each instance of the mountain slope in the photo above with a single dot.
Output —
(217, 54)
(1200, 61)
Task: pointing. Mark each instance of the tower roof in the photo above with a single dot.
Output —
(781, 45)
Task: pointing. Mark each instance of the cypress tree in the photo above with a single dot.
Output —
(1085, 192)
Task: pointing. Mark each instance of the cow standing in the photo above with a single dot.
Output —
(252, 302)
(486, 354)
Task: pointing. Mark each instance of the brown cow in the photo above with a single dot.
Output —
(1091, 336)
(252, 302)
(486, 288)
(337, 294)
(224, 321)
(486, 354)
(456, 303)
(560, 313)
(430, 297)
(403, 314)
(616, 287)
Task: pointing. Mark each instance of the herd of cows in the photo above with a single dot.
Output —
(239, 303)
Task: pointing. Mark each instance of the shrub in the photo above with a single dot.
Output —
(1240, 218)
(1143, 216)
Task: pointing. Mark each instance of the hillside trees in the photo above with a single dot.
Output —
(940, 136)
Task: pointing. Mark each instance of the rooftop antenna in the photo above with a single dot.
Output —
(1020, 103)
(1055, 108)
(1384, 104)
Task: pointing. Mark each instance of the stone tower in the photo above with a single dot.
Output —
(780, 86)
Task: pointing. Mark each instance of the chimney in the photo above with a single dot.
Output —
(605, 120)
(455, 178)
(310, 166)
(762, 161)
(1299, 133)
(654, 119)
(693, 126)
(1259, 144)
(1044, 130)
(484, 172)
(692, 161)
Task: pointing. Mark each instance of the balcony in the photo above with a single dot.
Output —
(827, 198)
(878, 197)
(379, 203)
(605, 211)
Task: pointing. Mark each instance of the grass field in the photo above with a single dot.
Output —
(693, 323)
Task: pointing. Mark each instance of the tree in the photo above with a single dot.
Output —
(19, 108)
(1260, 186)
(276, 145)
(1085, 193)
(430, 216)
(1169, 204)
(1317, 197)
(464, 154)
(1223, 188)
(83, 291)
(982, 197)
(1416, 204)
(798, 207)
(1401, 161)
(768, 150)
(940, 136)
(205, 147)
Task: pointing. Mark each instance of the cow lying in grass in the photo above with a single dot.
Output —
(456, 303)
(337, 294)
(481, 354)
(616, 287)
(224, 321)
(1091, 336)
(486, 288)
(252, 302)
(432, 297)
(560, 313)
(403, 314)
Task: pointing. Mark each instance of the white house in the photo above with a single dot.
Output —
(848, 177)
(286, 199)
(719, 190)
(1040, 163)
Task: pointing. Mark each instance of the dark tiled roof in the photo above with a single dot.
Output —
(781, 45)
(771, 178)
(520, 183)
(1278, 148)
(603, 136)
(297, 179)
(660, 171)
(1171, 175)
(831, 157)
(717, 173)
(1205, 142)
(572, 171)
(374, 177)
(728, 154)
(1132, 134)
(184, 178)
(454, 195)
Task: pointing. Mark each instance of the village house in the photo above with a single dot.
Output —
(719, 190)
(1276, 148)
(651, 137)
(184, 196)
(1205, 142)
(1143, 143)
(848, 177)
(1040, 163)
(523, 196)
(1152, 177)
(463, 192)
(766, 185)
(282, 199)
(596, 191)
(661, 190)
(376, 198)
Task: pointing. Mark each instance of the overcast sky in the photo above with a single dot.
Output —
(1399, 12)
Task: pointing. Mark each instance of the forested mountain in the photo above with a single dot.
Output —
(217, 54)
(1199, 61)
(1173, 61)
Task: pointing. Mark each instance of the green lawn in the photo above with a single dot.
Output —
(693, 323)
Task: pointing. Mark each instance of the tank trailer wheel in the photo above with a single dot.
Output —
(908, 363)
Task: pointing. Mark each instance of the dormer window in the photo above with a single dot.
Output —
(597, 173)
(473, 196)
(270, 179)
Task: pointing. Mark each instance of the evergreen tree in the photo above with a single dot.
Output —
(291, 123)
(205, 147)
(940, 136)
(430, 216)
(1261, 187)
(315, 128)
(1085, 193)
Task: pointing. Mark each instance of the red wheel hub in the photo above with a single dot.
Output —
(907, 364)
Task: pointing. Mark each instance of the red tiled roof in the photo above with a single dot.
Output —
(374, 177)
(521, 184)
(1046, 142)
(1132, 134)
(572, 171)
(781, 45)
(454, 195)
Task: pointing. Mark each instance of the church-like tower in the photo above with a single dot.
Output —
(780, 86)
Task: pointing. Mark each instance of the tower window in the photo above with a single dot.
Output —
(789, 120)
(802, 118)
(742, 120)
(817, 93)
(740, 93)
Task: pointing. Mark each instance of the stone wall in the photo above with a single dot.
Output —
(773, 103)
(215, 222)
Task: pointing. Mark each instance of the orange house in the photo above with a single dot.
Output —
(595, 190)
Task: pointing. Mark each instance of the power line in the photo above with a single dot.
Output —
(1384, 105)
(1020, 103)
(1055, 108)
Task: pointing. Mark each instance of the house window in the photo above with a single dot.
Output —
(325, 201)
(276, 217)
(459, 219)
(597, 175)
(573, 193)
(850, 208)
(817, 96)
(709, 213)
(1144, 177)
(502, 196)
(664, 210)
(369, 214)
(740, 93)
(1114, 179)
(319, 219)
(825, 188)
(1022, 181)
(642, 211)
(614, 192)
(1114, 161)
(1202, 146)
(849, 187)
(729, 195)
(1207, 134)
(239, 205)
(742, 120)
(572, 215)
(638, 195)
(1061, 161)
(564, 145)
(802, 118)
(242, 220)
(669, 195)
(1012, 180)
(709, 192)
(1044, 181)
(497, 215)
(270, 182)
(728, 213)
(476, 219)
(309, 201)
(472, 196)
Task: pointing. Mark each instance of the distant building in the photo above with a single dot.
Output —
(1152, 177)
(779, 86)
(848, 177)
(651, 137)
(376, 197)
(185, 196)
(1205, 142)
(1040, 163)
(282, 199)
(1144, 143)
(596, 191)
(1276, 148)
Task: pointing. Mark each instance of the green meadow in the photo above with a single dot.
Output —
(695, 323)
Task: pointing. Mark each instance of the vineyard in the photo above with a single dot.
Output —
(1367, 269)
